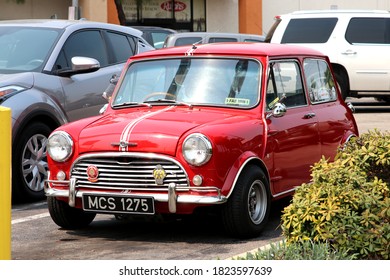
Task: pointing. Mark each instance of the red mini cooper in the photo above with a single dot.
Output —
(230, 125)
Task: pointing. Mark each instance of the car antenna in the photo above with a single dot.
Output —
(191, 50)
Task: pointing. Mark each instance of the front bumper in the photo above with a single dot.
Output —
(173, 195)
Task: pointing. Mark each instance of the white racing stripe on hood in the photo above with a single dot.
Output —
(126, 133)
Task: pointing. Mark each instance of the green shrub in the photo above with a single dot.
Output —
(305, 250)
(347, 204)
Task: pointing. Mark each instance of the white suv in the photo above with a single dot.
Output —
(357, 43)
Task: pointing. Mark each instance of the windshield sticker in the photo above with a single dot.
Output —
(237, 101)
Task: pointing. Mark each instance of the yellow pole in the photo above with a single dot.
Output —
(5, 183)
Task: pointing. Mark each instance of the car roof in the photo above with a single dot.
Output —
(234, 49)
(185, 34)
(63, 24)
(139, 27)
(339, 12)
(213, 34)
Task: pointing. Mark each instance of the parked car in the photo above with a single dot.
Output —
(53, 72)
(356, 42)
(154, 35)
(190, 38)
(230, 125)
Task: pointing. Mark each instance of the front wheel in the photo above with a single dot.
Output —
(29, 162)
(68, 217)
(247, 210)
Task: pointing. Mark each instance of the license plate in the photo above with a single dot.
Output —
(118, 204)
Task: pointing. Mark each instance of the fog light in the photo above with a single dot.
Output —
(197, 180)
(61, 176)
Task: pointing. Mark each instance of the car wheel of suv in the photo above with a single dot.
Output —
(29, 164)
(68, 217)
(247, 210)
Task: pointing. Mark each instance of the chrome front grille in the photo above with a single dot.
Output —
(128, 171)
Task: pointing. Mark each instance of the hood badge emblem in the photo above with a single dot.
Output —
(159, 174)
(124, 144)
(92, 173)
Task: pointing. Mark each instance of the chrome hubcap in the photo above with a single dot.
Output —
(257, 202)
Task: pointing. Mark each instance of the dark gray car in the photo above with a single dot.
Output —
(53, 72)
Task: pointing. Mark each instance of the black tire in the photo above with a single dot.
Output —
(29, 163)
(68, 217)
(247, 210)
(342, 82)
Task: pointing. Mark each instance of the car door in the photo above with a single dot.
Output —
(293, 143)
(83, 92)
(325, 103)
(366, 53)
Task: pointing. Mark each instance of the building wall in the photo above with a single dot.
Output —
(38, 9)
(250, 14)
(95, 10)
(222, 16)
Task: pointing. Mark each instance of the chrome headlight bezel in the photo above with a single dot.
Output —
(197, 149)
(60, 146)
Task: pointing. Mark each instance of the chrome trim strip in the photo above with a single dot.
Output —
(172, 198)
(72, 192)
(173, 195)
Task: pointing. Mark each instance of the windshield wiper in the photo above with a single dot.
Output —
(171, 101)
(125, 104)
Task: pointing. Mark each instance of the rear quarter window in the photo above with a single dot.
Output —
(319, 81)
(368, 31)
(309, 30)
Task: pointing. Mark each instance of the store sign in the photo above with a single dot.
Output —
(179, 6)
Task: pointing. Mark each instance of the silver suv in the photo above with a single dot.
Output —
(357, 43)
(53, 72)
(190, 38)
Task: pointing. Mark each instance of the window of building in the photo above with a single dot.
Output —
(182, 15)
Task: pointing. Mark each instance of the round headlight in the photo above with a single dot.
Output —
(60, 146)
(197, 149)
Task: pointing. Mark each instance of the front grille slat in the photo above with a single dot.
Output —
(119, 171)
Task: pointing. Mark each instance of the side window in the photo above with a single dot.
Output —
(123, 47)
(309, 30)
(285, 84)
(188, 41)
(84, 43)
(368, 31)
(158, 39)
(319, 81)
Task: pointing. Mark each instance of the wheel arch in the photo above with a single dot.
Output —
(340, 71)
(246, 163)
(38, 116)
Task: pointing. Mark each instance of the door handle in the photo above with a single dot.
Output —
(309, 115)
(349, 52)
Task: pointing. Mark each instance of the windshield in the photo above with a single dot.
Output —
(210, 81)
(24, 49)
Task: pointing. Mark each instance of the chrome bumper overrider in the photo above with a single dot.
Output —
(172, 196)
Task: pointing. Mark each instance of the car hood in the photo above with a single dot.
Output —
(152, 130)
(25, 79)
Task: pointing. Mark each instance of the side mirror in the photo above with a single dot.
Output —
(111, 86)
(80, 65)
(279, 110)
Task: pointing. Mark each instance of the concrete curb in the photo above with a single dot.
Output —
(254, 251)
